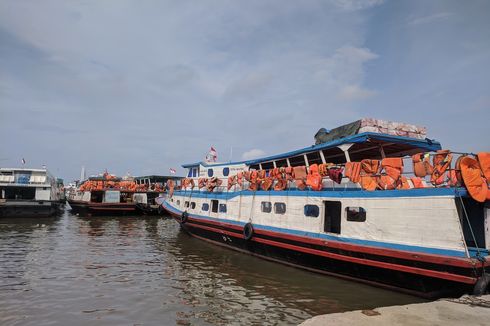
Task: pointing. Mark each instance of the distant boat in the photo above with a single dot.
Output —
(110, 195)
(346, 207)
(29, 193)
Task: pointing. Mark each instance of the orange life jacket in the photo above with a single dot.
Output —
(300, 177)
(405, 183)
(314, 179)
(442, 161)
(370, 166)
(201, 182)
(353, 171)
(281, 184)
(473, 179)
(266, 183)
(421, 165)
(253, 180)
(368, 182)
(232, 180)
(239, 178)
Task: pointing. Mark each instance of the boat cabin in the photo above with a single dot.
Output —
(28, 184)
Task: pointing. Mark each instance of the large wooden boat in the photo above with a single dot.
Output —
(29, 193)
(346, 207)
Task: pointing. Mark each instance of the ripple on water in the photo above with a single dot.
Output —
(144, 270)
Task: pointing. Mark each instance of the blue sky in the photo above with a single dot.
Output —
(142, 86)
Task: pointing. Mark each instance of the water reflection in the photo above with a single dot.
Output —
(144, 270)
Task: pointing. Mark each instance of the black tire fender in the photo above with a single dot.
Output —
(248, 231)
(184, 217)
(481, 286)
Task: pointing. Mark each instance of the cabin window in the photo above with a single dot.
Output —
(194, 172)
(266, 206)
(226, 171)
(205, 207)
(193, 205)
(355, 214)
(314, 157)
(333, 210)
(281, 163)
(172, 200)
(178, 202)
(267, 166)
(312, 210)
(190, 173)
(186, 204)
(222, 208)
(279, 208)
(214, 206)
(210, 173)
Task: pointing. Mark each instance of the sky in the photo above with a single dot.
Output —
(144, 86)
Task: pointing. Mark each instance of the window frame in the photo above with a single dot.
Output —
(307, 210)
(360, 216)
(220, 208)
(205, 205)
(279, 204)
(262, 206)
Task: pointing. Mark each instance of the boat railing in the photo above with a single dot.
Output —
(451, 178)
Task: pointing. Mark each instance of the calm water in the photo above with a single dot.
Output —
(146, 271)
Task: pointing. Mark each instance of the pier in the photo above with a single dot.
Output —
(468, 310)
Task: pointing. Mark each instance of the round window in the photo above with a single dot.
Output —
(210, 173)
(226, 171)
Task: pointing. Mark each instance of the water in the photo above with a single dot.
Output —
(146, 271)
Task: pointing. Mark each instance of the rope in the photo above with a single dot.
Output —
(478, 253)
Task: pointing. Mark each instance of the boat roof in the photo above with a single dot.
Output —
(22, 169)
(363, 142)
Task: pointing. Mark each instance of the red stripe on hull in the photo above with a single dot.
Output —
(427, 258)
(401, 268)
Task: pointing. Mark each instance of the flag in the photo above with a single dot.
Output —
(23, 161)
(172, 171)
(212, 155)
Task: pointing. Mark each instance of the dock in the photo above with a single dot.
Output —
(467, 310)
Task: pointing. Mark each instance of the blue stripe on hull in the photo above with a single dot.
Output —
(370, 243)
(340, 193)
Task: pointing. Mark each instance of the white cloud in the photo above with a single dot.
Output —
(430, 18)
(357, 4)
(253, 153)
(355, 92)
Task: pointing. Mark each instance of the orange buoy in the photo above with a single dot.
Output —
(473, 179)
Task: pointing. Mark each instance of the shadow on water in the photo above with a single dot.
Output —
(145, 270)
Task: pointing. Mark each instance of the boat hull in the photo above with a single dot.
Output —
(92, 209)
(26, 209)
(425, 276)
(111, 209)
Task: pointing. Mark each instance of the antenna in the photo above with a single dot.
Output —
(82, 174)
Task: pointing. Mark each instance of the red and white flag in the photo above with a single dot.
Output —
(172, 171)
(212, 155)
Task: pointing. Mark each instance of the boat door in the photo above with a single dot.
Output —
(333, 216)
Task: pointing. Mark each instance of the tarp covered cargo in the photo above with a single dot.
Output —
(371, 125)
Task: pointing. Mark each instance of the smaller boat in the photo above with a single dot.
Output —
(29, 193)
(111, 195)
